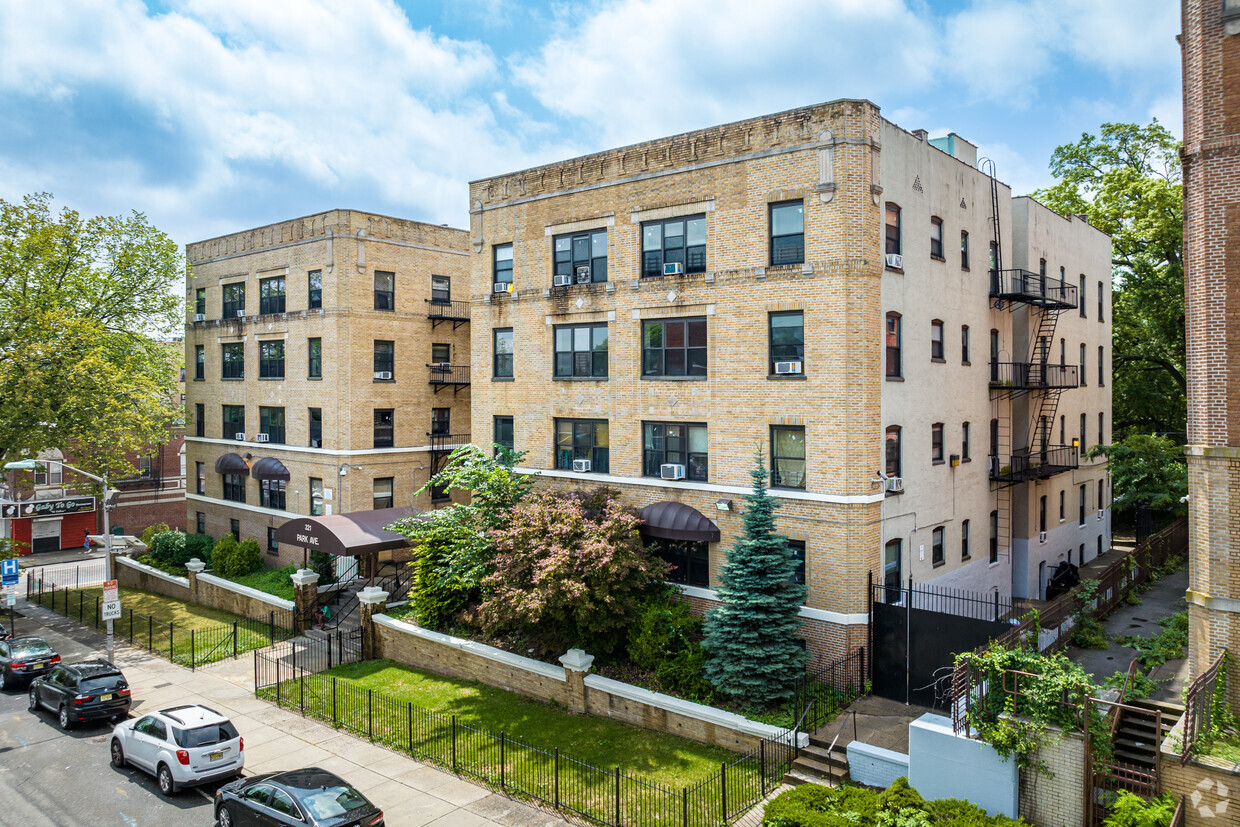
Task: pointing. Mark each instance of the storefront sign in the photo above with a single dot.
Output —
(47, 508)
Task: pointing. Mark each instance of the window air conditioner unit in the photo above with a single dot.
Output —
(581, 466)
(895, 485)
(562, 281)
(672, 269)
(583, 274)
(669, 471)
(501, 287)
(1101, 514)
(200, 317)
(443, 367)
(316, 443)
(1041, 536)
(239, 436)
(787, 367)
(262, 438)
(895, 261)
(241, 313)
(383, 374)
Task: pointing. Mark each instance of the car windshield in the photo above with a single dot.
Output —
(205, 736)
(329, 802)
(30, 649)
(100, 684)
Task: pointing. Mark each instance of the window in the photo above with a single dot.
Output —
(234, 300)
(936, 443)
(893, 230)
(674, 348)
(271, 295)
(964, 540)
(575, 251)
(1102, 495)
(964, 250)
(314, 365)
(441, 290)
(587, 439)
(441, 353)
(1101, 370)
(271, 494)
(200, 362)
(936, 341)
(936, 238)
(891, 570)
(964, 442)
(314, 299)
(1042, 269)
(893, 346)
(383, 497)
(1063, 353)
(670, 443)
(385, 290)
(936, 546)
(1062, 515)
(787, 456)
(385, 359)
(1081, 519)
(893, 454)
(200, 523)
(385, 436)
(271, 360)
(786, 338)
(272, 546)
(1082, 365)
(1063, 425)
(271, 423)
(1084, 313)
(234, 528)
(787, 233)
(689, 561)
(1101, 428)
(964, 344)
(234, 421)
(441, 421)
(994, 257)
(796, 550)
(1099, 539)
(234, 487)
(200, 478)
(502, 434)
(501, 263)
(502, 353)
(232, 360)
(1042, 514)
(200, 419)
(1101, 294)
(1082, 434)
(581, 351)
(316, 427)
(316, 497)
(674, 241)
(200, 301)
(994, 537)
(994, 439)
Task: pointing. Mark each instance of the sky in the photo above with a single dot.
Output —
(213, 116)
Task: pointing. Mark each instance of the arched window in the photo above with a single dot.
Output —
(893, 454)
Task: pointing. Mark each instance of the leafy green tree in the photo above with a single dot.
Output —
(1127, 182)
(1147, 470)
(751, 636)
(84, 303)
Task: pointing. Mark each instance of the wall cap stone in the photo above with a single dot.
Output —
(195, 565)
(546, 670)
(255, 594)
(372, 596)
(154, 572)
(305, 577)
(576, 660)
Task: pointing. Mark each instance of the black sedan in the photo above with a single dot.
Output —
(84, 691)
(23, 658)
(298, 797)
(5, 634)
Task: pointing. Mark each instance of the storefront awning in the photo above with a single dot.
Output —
(269, 468)
(677, 521)
(347, 535)
(231, 464)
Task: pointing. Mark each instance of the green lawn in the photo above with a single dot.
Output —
(276, 582)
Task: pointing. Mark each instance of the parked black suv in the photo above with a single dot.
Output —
(85, 691)
(22, 658)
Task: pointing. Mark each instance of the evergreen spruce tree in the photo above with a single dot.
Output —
(751, 636)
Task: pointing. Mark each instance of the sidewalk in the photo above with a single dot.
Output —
(410, 793)
(51, 558)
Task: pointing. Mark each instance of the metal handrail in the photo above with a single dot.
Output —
(1035, 288)
(851, 714)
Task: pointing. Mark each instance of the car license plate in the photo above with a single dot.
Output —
(215, 756)
(105, 697)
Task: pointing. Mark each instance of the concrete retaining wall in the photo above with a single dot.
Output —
(875, 766)
(130, 574)
(204, 590)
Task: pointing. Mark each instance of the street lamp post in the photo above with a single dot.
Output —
(32, 465)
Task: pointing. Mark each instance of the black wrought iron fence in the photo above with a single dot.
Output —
(1200, 700)
(824, 690)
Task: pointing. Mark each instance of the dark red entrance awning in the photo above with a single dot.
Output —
(347, 535)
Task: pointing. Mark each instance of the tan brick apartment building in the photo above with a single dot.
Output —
(327, 361)
(813, 286)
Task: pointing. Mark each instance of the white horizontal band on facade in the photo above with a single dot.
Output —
(297, 449)
(256, 509)
(652, 482)
(1215, 604)
(861, 619)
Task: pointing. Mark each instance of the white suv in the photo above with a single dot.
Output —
(182, 746)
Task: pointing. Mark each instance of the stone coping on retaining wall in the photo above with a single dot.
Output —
(152, 571)
(473, 647)
(255, 594)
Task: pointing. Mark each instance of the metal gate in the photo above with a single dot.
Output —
(916, 633)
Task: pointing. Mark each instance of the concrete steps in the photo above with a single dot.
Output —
(819, 764)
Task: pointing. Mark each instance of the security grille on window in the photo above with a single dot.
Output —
(892, 229)
(503, 436)
(200, 301)
(502, 368)
(581, 351)
(787, 457)
(936, 341)
(271, 360)
(200, 419)
(788, 233)
(786, 340)
(582, 439)
(441, 290)
(314, 366)
(200, 362)
(676, 245)
(316, 497)
(385, 359)
(271, 295)
(200, 478)
(936, 442)
(234, 487)
(894, 360)
(234, 300)
(796, 549)
(581, 256)
(936, 238)
(674, 348)
(232, 360)
(689, 561)
(892, 451)
(674, 444)
(501, 264)
(385, 290)
(234, 420)
(271, 423)
(385, 428)
(271, 494)
(316, 427)
(314, 300)
(936, 546)
(383, 497)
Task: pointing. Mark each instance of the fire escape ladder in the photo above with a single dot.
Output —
(987, 167)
